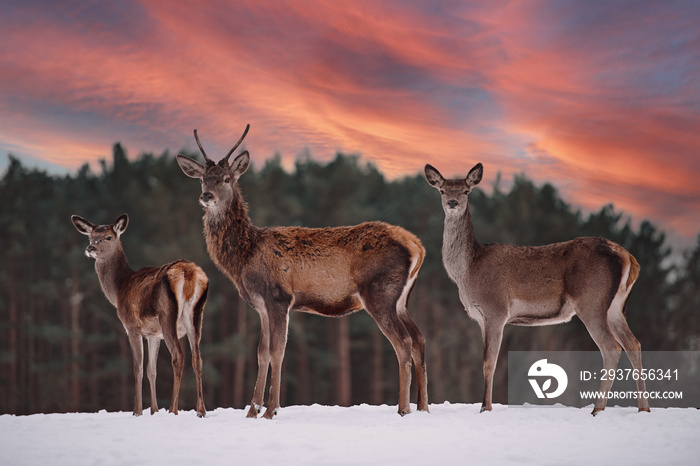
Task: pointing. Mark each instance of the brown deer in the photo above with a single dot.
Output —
(158, 303)
(326, 271)
(502, 284)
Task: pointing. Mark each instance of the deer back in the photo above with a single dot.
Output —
(324, 268)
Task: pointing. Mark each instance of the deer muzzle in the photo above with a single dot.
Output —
(206, 197)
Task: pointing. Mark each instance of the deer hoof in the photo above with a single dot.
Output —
(201, 414)
(270, 413)
(253, 411)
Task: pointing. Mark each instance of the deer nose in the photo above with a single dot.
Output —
(206, 197)
(90, 248)
(452, 203)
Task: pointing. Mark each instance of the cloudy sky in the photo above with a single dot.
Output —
(600, 98)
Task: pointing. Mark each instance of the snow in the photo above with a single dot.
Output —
(375, 435)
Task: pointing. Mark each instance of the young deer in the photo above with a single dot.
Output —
(158, 303)
(326, 271)
(502, 284)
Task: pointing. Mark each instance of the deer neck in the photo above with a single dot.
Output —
(113, 273)
(231, 237)
(458, 244)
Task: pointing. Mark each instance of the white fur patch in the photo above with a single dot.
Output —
(401, 304)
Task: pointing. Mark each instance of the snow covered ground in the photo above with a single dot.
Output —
(323, 435)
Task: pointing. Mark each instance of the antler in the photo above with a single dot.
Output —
(196, 138)
(225, 159)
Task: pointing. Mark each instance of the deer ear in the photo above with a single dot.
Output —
(82, 225)
(475, 174)
(190, 167)
(240, 164)
(120, 224)
(433, 176)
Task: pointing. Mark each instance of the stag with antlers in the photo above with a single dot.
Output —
(326, 271)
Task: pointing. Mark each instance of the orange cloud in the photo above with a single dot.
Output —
(582, 95)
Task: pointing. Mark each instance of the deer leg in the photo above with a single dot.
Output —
(263, 363)
(598, 328)
(623, 334)
(381, 308)
(177, 358)
(418, 355)
(492, 334)
(194, 335)
(400, 339)
(610, 360)
(153, 346)
(136, 343)
(279, 321)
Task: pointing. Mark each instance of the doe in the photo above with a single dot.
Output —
(501, 284)
(158, 303)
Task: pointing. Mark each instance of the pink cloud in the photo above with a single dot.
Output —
(580, 95)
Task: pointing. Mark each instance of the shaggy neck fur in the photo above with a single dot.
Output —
(231, 237)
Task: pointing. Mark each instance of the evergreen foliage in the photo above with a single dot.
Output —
(62, 347)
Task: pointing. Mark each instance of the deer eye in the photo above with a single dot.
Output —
(227, 179)
(466, 192)
(442, 191)
(109, 238)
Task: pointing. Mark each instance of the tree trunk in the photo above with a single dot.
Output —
(303, 388)
(75, 299)
(14, 352)
(124, 380)
(240, 360)
(344, 393)
(94, 353)
(225, 394)
(435, 350)
(377, 382)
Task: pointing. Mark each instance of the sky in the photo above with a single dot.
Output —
(599, 98)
